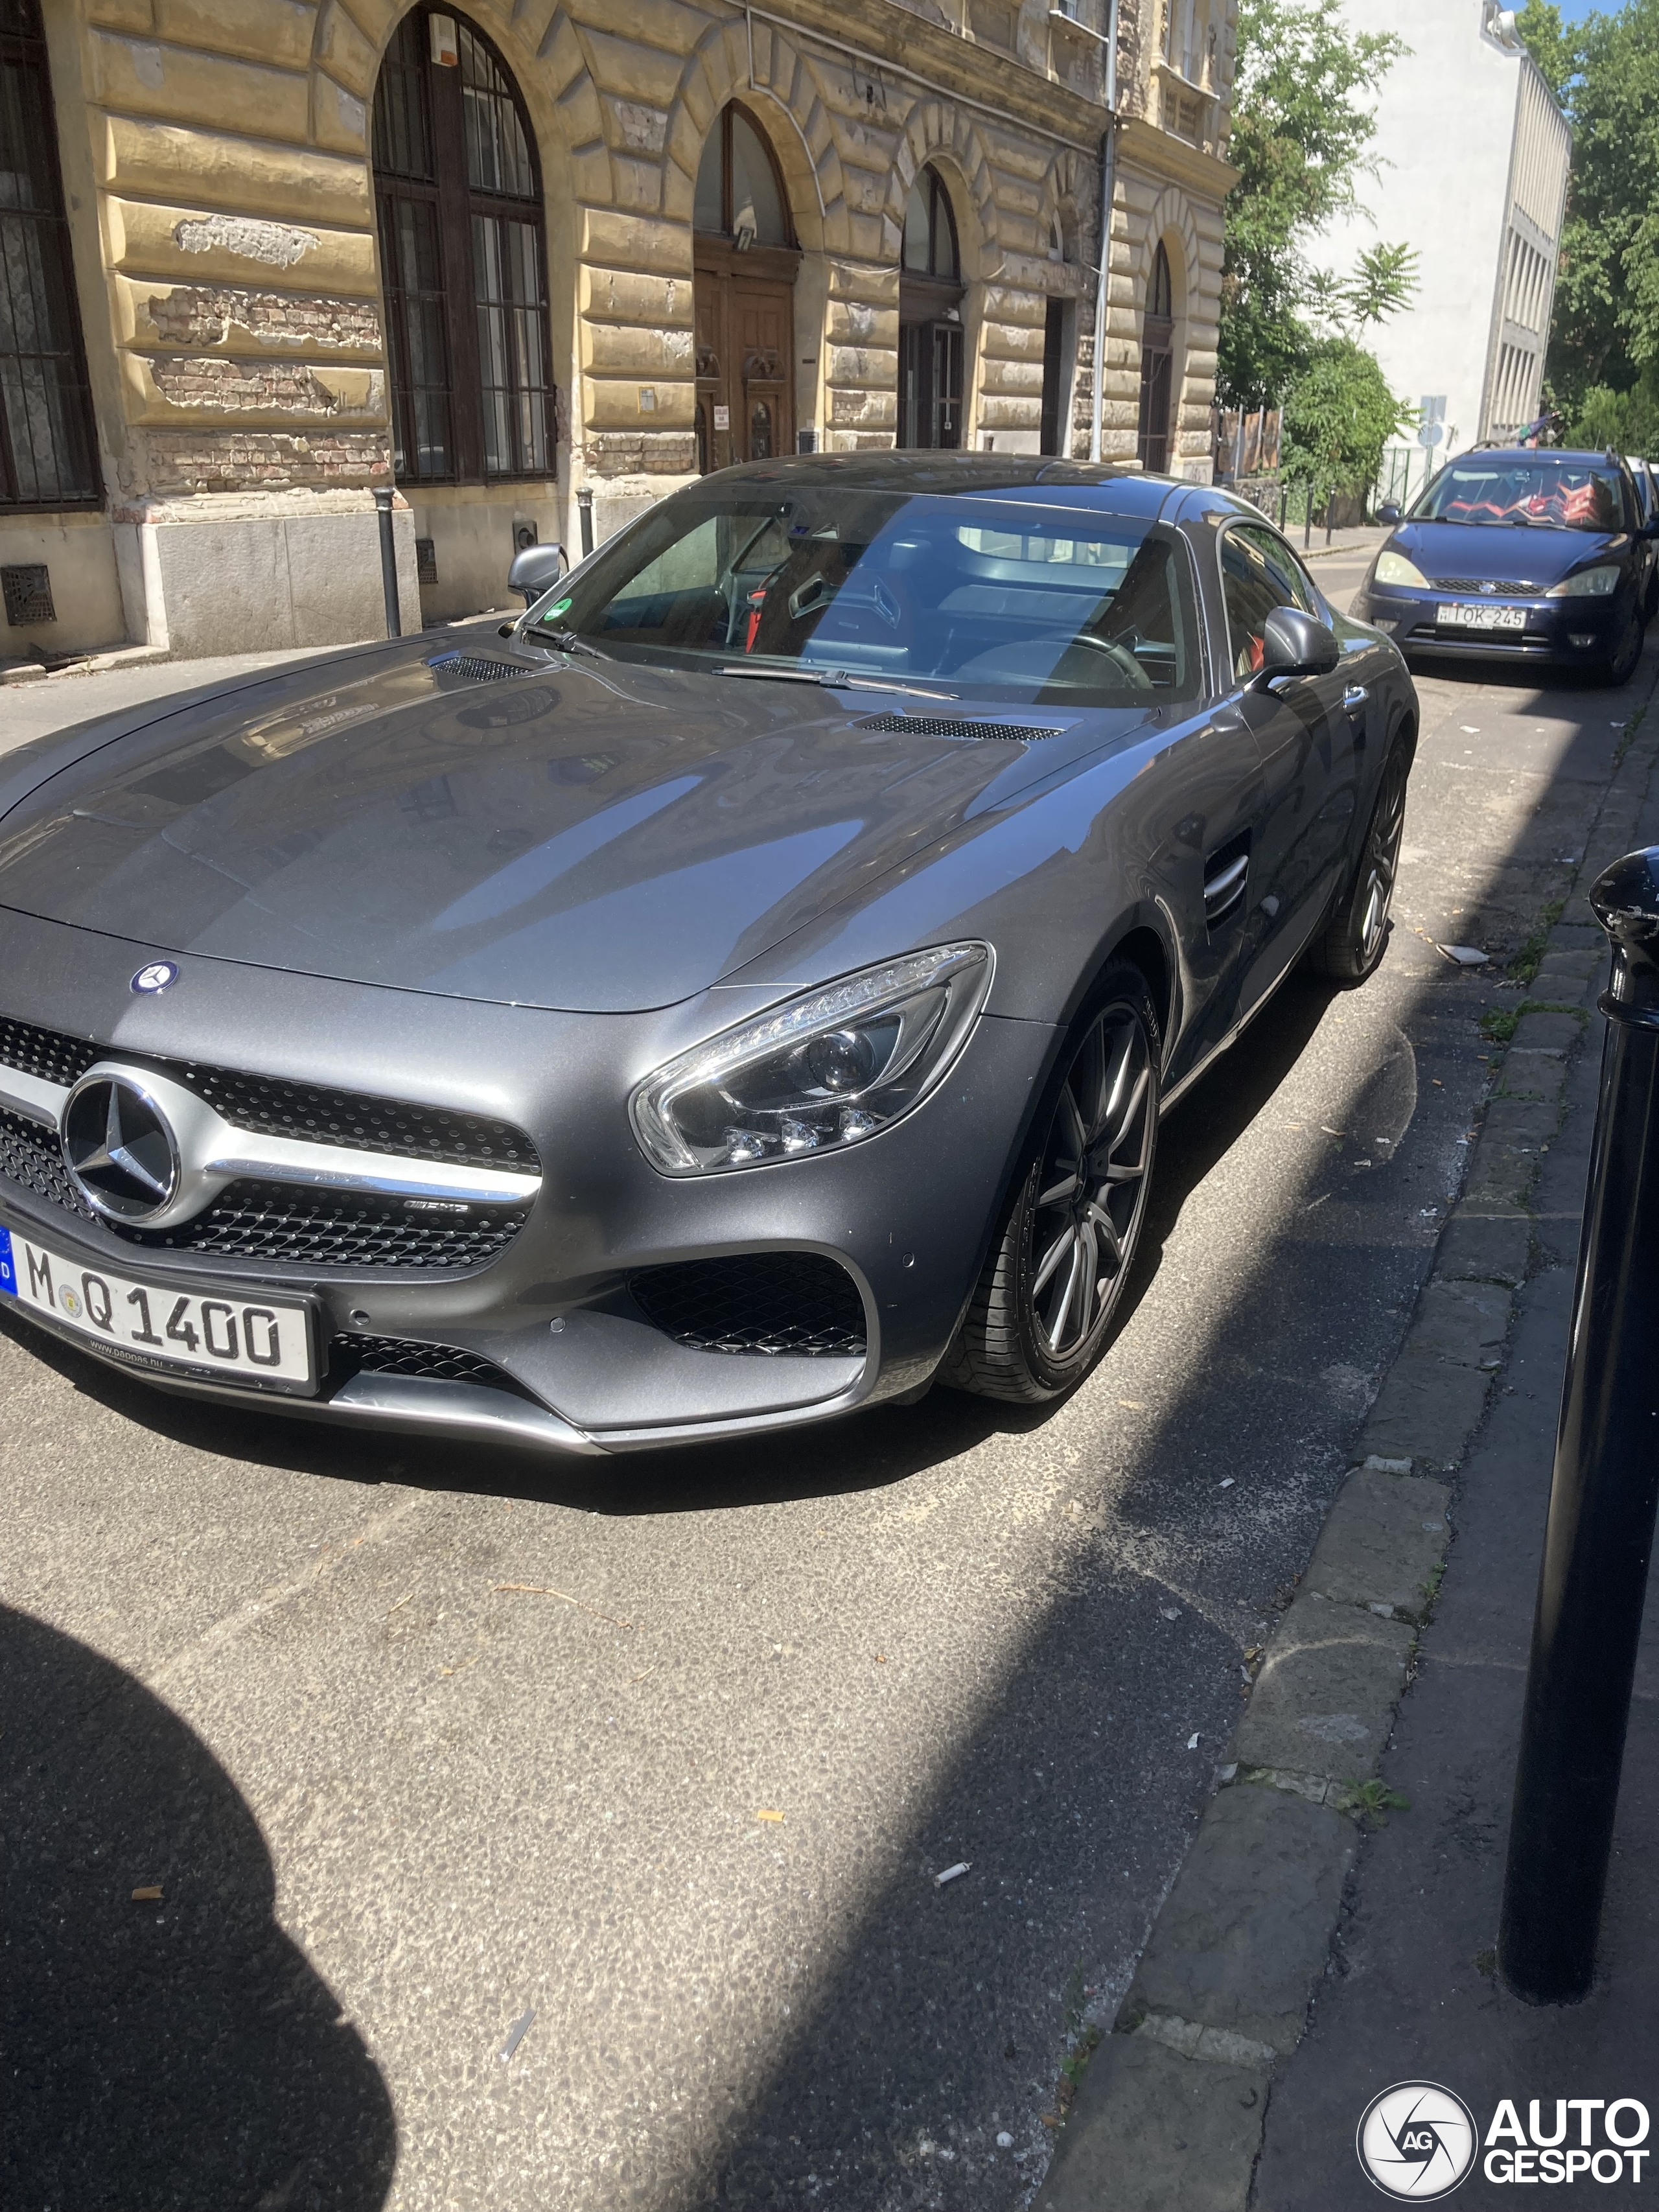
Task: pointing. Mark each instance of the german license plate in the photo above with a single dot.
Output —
(1458, 616)
(257, 1338)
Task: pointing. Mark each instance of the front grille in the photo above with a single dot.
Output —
(271, 1108)
(1482, 587)
(402, 1355)
(281, 1223)
(477, 668)
(294, 1226)
(948, 726)
(31, 1155)
(45, 1054)
(764, 1303)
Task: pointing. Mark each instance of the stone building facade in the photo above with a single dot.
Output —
(259, 257)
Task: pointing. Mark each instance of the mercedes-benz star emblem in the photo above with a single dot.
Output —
(120, 1148)
(154, 975)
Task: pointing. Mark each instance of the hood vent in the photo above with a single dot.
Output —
(945, 725)
(476, 668)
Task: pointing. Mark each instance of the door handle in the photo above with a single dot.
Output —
(1355, 697)
(1223, 890)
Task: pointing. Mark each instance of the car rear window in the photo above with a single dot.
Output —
(999, 598)
(1540, 489)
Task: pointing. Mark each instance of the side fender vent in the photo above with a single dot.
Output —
(946, 726)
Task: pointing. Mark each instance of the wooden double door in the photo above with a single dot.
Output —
(744, 304)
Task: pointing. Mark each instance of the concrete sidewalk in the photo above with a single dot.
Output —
(1410, 1993)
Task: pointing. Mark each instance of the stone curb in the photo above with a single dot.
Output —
(1170, 2111)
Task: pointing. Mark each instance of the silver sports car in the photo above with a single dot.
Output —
(743, 990)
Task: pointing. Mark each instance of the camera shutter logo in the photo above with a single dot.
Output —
(1416, 2142)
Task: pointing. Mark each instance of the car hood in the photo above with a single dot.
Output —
(1501, 553)
(565, 835)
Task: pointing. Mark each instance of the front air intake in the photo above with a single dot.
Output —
(951, 725)
(760, 1303)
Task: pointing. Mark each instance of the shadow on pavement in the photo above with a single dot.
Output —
(160, 2056)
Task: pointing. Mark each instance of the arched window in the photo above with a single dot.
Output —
(930, 319)
(45, 413)
(1158, 367)
(464, 259)
(745, 259)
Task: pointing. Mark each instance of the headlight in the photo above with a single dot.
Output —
(818, 1074)
(1587, 584)
(1395, 568)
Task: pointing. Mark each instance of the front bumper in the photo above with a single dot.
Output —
(581, 1365)
(1565, 632)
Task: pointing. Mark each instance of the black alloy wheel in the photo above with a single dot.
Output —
(1055, 1275)
(1357, 935)
(1620, 664)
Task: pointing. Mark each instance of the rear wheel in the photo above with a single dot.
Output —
(1054, 1278)
(1357, 934)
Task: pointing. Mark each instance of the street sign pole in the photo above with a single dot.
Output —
(1599, 1535)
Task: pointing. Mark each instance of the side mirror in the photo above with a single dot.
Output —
(535, 570)
(1297, 644)
(1388, 511)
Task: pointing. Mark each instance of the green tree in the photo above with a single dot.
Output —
(1338, 417)
(1548, 41)
(1606, 326)
(1302, 124)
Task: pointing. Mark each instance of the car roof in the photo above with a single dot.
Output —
(946, 475)
(1580, 457)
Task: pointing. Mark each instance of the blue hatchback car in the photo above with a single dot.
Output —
(1536, 556)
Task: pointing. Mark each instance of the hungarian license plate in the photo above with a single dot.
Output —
(258, 1338)
(1456, 614)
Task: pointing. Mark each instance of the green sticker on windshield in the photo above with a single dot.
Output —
(560, 607)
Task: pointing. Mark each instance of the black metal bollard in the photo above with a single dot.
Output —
(1603, 1494)
(585, 512)
(394, 625)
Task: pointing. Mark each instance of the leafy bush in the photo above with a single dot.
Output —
(1338, 417)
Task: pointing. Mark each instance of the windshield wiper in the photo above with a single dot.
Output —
(566, 641)
(836, 679)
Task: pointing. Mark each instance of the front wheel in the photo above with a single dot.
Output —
(1044, 1302)
(1619, 666)
(1357, 935)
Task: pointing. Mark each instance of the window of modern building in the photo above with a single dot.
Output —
(47, 444)
(1157, 369)
(744, 259)
(931, 361)
(464, 259)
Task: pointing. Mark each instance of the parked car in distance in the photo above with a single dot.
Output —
(746, 991)
(1532, 555)
(1647, 499)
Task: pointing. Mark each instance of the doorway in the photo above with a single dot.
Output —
(931, 351)
(1157, 370)
(744, 259)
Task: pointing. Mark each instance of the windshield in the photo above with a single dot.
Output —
(1540, 488)
(982, 597)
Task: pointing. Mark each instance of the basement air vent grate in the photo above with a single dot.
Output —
(944, 725)
(27, 593)
(426, 560)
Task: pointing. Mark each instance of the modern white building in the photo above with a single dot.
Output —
(1471, 157)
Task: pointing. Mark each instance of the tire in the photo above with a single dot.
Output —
(1356, 937)
(1619, 666)
(1044, 1306)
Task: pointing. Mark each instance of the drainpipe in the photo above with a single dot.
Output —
(1107, 39)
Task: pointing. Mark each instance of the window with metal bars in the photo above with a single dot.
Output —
(464, 259)
(45, 411)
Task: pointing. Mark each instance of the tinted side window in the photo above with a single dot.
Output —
(1258, 574)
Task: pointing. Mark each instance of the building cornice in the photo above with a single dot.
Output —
(1158, 153)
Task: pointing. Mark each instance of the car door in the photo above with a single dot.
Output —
(1307, 730)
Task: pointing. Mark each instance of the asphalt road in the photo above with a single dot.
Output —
(684, 1797)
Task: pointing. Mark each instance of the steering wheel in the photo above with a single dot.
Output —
(1121, 658)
